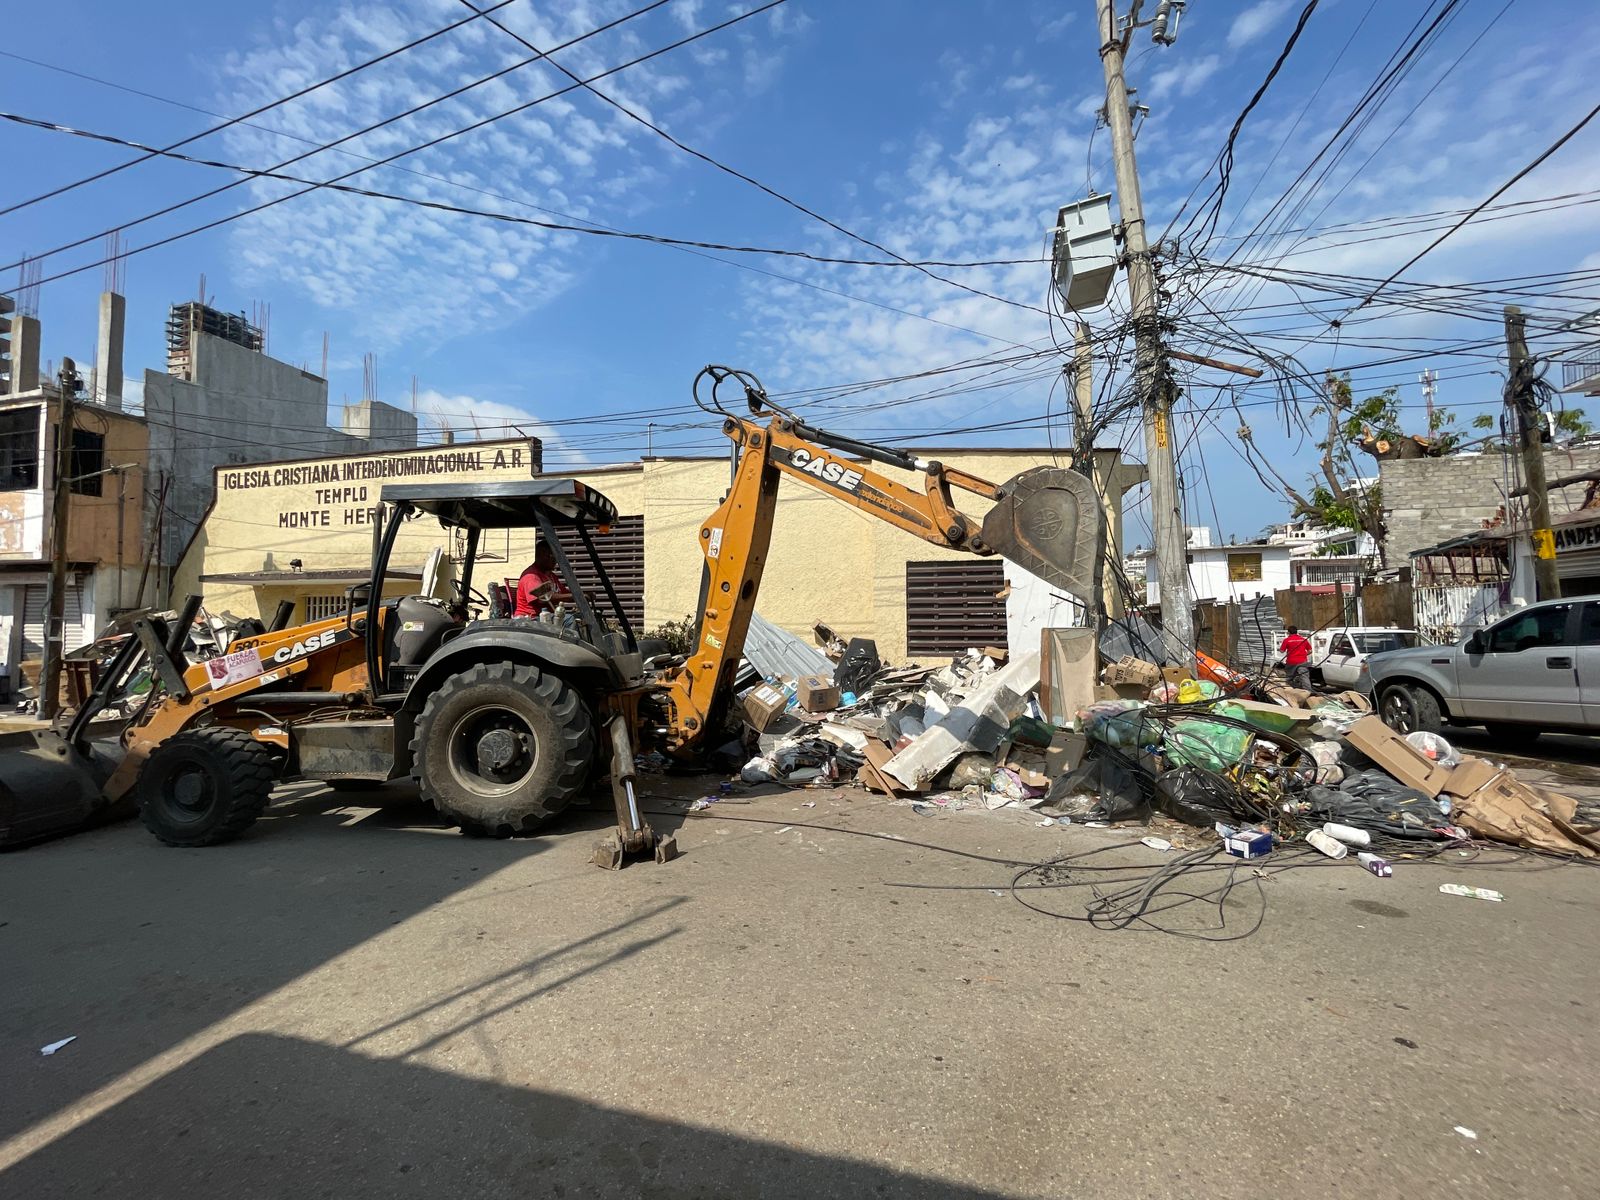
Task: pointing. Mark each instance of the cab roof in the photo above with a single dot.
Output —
(509, 505)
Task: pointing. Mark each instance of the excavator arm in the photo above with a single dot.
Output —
(1045, 519)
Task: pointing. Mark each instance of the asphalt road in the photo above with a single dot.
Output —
(349, 1003)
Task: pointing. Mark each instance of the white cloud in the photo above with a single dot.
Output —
(1186, 78)
(392, 268)
(472, 419)
(1255, 21)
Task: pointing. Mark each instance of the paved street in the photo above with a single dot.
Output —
(350, 1003)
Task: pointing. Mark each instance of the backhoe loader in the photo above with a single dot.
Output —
(503, 722)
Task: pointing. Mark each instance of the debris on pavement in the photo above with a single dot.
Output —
(54, 1046)
(1217, 765)
(1476, 893)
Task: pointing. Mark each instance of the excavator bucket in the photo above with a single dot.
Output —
(50, 787)
(1048, 523)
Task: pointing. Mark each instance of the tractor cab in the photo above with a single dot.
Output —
(584, 632)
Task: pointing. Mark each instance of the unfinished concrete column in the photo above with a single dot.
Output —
(24, 355)
(108, 359)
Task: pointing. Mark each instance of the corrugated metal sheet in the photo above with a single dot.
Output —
(1260, 631)
(776, 652)
(953, 605)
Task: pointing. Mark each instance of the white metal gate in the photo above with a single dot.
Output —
(1444, 613)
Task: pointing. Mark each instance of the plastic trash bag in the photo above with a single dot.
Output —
(969, 769)
(1434, 747)
(1208, 744)
(1118, 723)
(1189, 795)
(1119, 797)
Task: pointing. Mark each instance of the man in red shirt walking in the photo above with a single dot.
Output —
(1296, 652)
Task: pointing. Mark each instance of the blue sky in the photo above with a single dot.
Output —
(941, 129)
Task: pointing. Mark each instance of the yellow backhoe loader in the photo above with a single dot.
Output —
(504, 721)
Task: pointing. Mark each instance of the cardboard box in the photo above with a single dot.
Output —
(818, 694)
(1395, 755)
(1176, 674)
(1133, 671)
(1469, 775)
(763, 705)
(1248, 843)
(1065, 753)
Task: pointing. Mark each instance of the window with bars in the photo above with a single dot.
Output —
(953, 605)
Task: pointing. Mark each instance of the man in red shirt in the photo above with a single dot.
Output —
(538, 585)
(1296, 652)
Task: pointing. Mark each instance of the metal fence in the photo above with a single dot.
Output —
(1446, 614)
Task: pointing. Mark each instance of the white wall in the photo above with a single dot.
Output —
(1208, 574)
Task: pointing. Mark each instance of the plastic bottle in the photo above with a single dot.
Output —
(1332, 847)
(1348, 834)
(1377, 865)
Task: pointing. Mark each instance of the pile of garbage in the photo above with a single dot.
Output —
(1261, 764)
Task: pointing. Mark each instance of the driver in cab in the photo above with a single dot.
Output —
(538, 585)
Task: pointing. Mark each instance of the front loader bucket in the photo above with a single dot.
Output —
(49, 788)
(1048, 523)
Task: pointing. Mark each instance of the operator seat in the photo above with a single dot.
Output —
(417, 627)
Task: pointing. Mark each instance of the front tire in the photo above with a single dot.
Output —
(205, 787)
(501, 748)
(1407, 709)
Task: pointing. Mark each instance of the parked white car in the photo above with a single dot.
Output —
(1339, 656)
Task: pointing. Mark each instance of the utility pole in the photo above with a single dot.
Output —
(1082, 372)
(55, 618)
(1151, 378)
(1525, 416)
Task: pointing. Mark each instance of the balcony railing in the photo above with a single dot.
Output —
(1584, 366)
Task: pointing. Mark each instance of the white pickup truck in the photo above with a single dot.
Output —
(1339, 655)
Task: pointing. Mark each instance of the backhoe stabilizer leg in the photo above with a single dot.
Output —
(633, 836)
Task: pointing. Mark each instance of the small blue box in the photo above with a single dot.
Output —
(1248, 843)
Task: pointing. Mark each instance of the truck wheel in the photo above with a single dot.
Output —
(1515, 737)
(501, 748)
(205, 786)
(1409, 709)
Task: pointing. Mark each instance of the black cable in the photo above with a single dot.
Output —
(255, 112)
(684, 41)
(1493, 196)
(1224, 160)
(753, 182)
(557, 226)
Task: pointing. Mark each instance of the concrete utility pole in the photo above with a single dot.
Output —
(1082, 372)
(1525, 415)
(1151, 378)
(55, 618)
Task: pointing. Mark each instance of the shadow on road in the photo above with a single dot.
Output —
(268, 1116)
(139, 946)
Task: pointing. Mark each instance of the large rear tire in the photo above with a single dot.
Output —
(205, 786)
(501, 748)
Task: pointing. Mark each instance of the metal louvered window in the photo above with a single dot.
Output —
(622, 553)
(953, 605)
(320, 608)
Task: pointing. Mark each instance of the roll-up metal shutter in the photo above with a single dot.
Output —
(621, 552)
(34, 600)
(953, 605)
